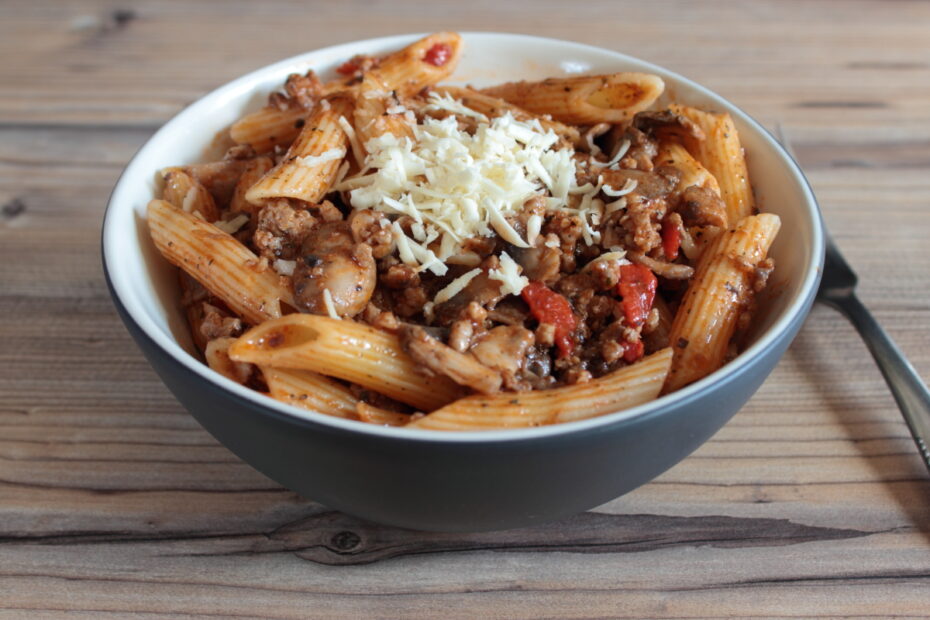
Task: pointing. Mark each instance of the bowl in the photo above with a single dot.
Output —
(428, 480)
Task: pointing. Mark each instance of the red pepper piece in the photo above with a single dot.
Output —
(348, 67)
(671, 239)
(547, 306)
(633, 351)
(438, 55)
(637, 287)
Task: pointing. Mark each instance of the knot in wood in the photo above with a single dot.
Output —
(345, 541)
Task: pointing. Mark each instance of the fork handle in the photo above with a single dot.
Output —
(908, 388)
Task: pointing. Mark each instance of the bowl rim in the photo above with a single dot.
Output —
(266, 406)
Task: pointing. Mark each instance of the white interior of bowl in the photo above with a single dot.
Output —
(146, 284)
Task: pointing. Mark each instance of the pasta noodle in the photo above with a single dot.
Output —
(584, 99)
(347, 350)
(722, 155)
(624, 388)
(310, 165)
(722, 285)
(220, 263)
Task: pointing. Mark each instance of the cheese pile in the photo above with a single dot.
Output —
(456, 185)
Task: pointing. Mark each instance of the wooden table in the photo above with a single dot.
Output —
(811, 502)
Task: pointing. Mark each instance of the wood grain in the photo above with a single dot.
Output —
(114, 502)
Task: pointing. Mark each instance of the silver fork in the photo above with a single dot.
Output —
(837, 289)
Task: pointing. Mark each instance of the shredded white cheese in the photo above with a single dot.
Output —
(455, 287)
(311, 161)
(329, 305)
(509, 275)
(455, 185)
(232, 226)
(284, 267)
(357, 152)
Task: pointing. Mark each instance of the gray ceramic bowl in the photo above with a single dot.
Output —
(467, 481)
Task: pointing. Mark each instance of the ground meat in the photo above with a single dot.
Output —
(761, 274)
(218, 324)
(567, 227)
(638, 226)
(399, 276)
(281, 229)
(461, 335)
(374, 229)
(410, 301)
(701, 207)
(304, 90)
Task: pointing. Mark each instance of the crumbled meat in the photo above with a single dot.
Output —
(399, 277)
(461, 335)
(567, 227)
(374, 229)
(504, 349)
(304, 90)
(443, 360)
(218, 324)
(761, 274)
(701, 207)
(281, 229)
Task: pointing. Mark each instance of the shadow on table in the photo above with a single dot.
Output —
(829, 374)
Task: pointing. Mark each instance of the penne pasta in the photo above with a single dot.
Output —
(692, 172)
(372, 119)
(613, 98)
(310, 165)
(269, 127)
(494, 106)
(255, 170)
(309, 390)
(627, 387)
(219, 262)
(347, 350)
(189, 195)
(381, 417)
(421, 64)
(722, 155)
(720, 290)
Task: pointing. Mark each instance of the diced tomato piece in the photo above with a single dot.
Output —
(633, 351)
(438, 55)
(547, 306)
(671, 239)
(637, 287)
(348, 67)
